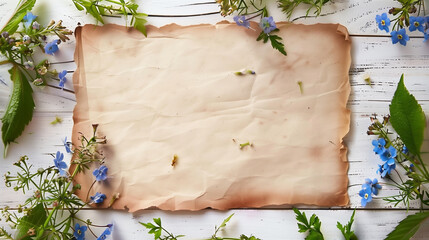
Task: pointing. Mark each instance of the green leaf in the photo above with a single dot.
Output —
(277, 44)
(148, 225)
(314, 236)
(407, 118)
(139, 21)
(34, 219)
(346, 229)
(157, 221)
(78, 6)
(226, 221)
(300, 217)
(20, 12)
(19, 112)
(408, 227)
(158, 233)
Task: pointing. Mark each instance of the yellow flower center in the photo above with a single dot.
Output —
(399, 36)
(79, 232)
(383, 22)
(416, 24)
(366, 196)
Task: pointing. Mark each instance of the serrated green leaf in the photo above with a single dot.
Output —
(20, 12)
(300, 217)
(277, 44)
(408, 227)
(147, 225)
(302, 228)
(407, 118)
(19, 112)
(346, 229)
(157, 221)
(34, 219)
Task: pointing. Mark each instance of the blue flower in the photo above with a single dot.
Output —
(98, 197)
(62, 77)
(79, 231)
(373, 185)
(383, 22)
(267, 24)
(100, 173)
(404, 149)
(52, 47)
(389, 155)
(241, 21)
(28, 19)
(411, 168)
(67, 145)
(416, 23)
(385, 169)
(400, 36)
(106, 232)
(365, 193)
(379, 145)
(60, 164)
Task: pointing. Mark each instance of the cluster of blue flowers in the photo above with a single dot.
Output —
(50, 48)
(267, 24)
(369, 188)
(100, 174)
(420, 24)
(387, 155)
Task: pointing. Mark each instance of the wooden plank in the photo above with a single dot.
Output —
(265, 224)
(357, 15)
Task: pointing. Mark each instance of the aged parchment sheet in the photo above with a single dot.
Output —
(175, 93)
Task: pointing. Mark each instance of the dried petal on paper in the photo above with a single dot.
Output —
(175, 94)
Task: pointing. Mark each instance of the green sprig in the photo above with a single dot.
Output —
(289, 6)
(160, 233)
(99, 8)
(53, 207)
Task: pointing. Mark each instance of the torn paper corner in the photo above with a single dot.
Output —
(185, 132)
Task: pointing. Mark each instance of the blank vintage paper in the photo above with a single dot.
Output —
(176, 93)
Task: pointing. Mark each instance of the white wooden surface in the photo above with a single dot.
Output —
(372, 53)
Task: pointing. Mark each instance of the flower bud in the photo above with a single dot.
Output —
(36, 25)
(29, 65)
(52, 22)
(31, 232)
(59, 23)
(5, 34)
(38, 82)
(42, 71)
(26, 39)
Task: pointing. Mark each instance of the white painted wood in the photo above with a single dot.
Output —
(265, 224)
(357, 15)
(374, 55)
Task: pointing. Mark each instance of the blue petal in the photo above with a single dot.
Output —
(62, 165)
(378, 18)
(363, 202)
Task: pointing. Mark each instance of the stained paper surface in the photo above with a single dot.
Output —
(175, 93)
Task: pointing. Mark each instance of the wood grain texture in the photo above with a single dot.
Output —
(373, 53)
